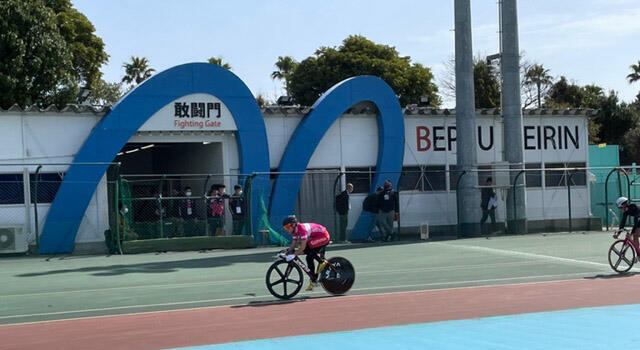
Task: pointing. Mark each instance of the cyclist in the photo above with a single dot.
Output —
(311, 239)
(629, 209)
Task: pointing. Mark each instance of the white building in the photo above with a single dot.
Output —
(553, 139)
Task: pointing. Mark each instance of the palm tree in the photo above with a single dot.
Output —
(218, 61)
(539, 76)
(137, 71)
(286, 65)
(635, 76)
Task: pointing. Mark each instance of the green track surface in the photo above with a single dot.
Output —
(46, 288)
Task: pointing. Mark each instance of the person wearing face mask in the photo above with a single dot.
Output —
(237, 209)
(188, 211)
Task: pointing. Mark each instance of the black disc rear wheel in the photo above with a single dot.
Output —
(284, 279)
(339, 277)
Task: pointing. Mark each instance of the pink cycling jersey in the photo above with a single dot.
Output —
(316, 235)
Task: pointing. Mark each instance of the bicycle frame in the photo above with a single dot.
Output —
(305, 268)
(629, 241)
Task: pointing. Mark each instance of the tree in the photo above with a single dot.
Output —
(592, 96)
(105, 93)
(635, 75)
(359, 56)
(47, 49)
(220, 62)
(615, 119)
(262, 100)
(286, 65)
(631, 144)
(486, 82)
(137, 70)
(538, 76)
(563, 94)
(87, 49)
(486, 85)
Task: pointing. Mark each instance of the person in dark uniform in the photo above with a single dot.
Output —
(488, 204)
(237, 208)
(370, 205)
(388, 207)
(342, 207)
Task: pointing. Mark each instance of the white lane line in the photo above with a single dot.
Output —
(210, 283)
(467, 282)
(529, 255)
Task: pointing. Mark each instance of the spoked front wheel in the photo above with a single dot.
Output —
(339, 277)
(284, 279)
(621, 256)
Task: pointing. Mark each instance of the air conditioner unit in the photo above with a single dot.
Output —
(13, 240)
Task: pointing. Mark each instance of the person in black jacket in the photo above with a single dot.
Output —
(488, 203)
(370, 205)
(388, 207)
(237, 208)
(342, 207)
(629, 209)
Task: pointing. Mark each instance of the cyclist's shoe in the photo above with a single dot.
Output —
(310, 286)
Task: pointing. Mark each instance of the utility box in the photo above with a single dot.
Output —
(424, 230)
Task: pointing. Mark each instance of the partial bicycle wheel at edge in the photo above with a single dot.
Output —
(339, 277)
(284, 279)
(621, 256)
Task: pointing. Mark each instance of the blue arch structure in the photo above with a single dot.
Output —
(314, 125)
(128, 115)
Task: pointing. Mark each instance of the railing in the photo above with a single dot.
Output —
(155, 206)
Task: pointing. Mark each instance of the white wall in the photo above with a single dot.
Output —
(45, 137)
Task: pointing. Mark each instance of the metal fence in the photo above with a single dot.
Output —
(141, 207)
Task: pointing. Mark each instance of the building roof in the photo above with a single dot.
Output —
(70, 108)
(301, 110)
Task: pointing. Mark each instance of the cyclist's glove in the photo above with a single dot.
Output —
(290, 257)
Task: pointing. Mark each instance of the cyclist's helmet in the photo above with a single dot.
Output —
(622, 201)
(289, 220)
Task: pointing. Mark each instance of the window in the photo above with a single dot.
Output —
(48, 185)
(410, 179)
(558, 178)
(578, 177)
(554, 178)
(435, 178)
(533, 178)
(11, 189)
(453, 177)
(361, 178)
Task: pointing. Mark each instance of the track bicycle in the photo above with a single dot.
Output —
(623, 253)
(284, 278)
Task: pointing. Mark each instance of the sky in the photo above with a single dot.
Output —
(587, 41)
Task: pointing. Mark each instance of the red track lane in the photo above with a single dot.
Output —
(212, 325)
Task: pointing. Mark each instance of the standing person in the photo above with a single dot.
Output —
(388, 207)
(216, 210)
(237, 209)
(342, 207)
(370, 205)
(187, 211)
(488, 203)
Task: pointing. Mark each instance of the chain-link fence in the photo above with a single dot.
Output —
(428, 202)
(27, 191)
(171, 206)
(551, 197)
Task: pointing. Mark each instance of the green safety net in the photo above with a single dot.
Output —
(275, 237)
